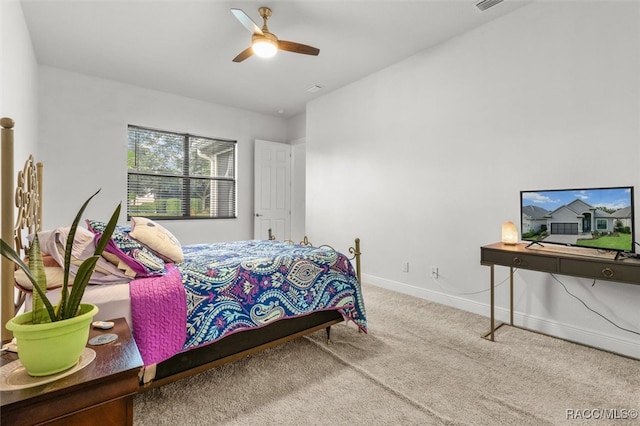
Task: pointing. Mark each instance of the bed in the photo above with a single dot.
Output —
(190, 307)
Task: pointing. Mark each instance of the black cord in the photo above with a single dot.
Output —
(592, 310)
(565, 289)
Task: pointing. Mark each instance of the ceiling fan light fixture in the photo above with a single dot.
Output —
(264, 48)
(263, 42)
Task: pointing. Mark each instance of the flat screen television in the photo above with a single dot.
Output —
(598, 218)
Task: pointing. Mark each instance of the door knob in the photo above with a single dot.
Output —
(258, 215)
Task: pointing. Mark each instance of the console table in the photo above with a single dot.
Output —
(554, 261)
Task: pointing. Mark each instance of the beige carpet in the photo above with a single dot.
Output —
(421, 363)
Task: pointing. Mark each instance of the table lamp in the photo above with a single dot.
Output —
(509, 233)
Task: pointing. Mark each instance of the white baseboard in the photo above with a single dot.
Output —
(553, 328)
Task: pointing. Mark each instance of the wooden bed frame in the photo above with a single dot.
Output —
(27, 198)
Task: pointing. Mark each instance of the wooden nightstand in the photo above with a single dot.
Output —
(100, 393)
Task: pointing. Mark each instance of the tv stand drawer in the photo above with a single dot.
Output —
(519, 260)
(611, 271)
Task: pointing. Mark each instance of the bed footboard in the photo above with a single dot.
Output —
(354, 251)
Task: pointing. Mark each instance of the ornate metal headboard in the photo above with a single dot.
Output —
(28, 200)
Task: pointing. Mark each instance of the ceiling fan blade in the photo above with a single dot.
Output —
(244, 54)
(246, 21)
(294, 47)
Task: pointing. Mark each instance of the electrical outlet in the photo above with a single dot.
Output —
(405, 266)
(434, 272)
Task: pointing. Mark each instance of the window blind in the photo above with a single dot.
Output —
(180, 176)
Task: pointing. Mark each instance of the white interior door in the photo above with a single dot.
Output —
(272, 190)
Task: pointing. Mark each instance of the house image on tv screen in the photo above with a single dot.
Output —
(576, 223)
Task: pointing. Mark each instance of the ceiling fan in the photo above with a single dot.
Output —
(263, 42)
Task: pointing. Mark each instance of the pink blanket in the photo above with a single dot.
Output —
(159, 315)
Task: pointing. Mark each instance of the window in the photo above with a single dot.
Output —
(601, 224)
(180, 176)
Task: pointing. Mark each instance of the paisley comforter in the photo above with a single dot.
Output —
(230, 287)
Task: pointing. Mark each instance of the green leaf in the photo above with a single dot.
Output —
(36, 266)
(64, 296)
(108, 231)
(72, 303)
(8, 252)
(79, 285)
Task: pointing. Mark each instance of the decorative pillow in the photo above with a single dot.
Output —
(157, 238)
(47, 260)
(140, 259)
(54, 274)
(115, 260)
(53, 245)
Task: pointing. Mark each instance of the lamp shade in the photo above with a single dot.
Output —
(264, 48)
(509, 233)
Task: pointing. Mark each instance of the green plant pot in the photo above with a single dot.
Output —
(52, 347)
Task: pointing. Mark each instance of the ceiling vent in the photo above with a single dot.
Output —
(486, 4)
(315, 88)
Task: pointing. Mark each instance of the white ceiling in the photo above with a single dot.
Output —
(186, 47)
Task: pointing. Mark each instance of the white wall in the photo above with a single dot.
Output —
(298, 191)
(83, 142)
(296, 132)
(18, 82)
(424, 160)
(18, 79)
(297, 127)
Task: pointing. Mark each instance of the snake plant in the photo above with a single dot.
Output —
(71, 295)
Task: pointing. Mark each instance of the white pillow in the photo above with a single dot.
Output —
(157, 238)
(54, 274)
